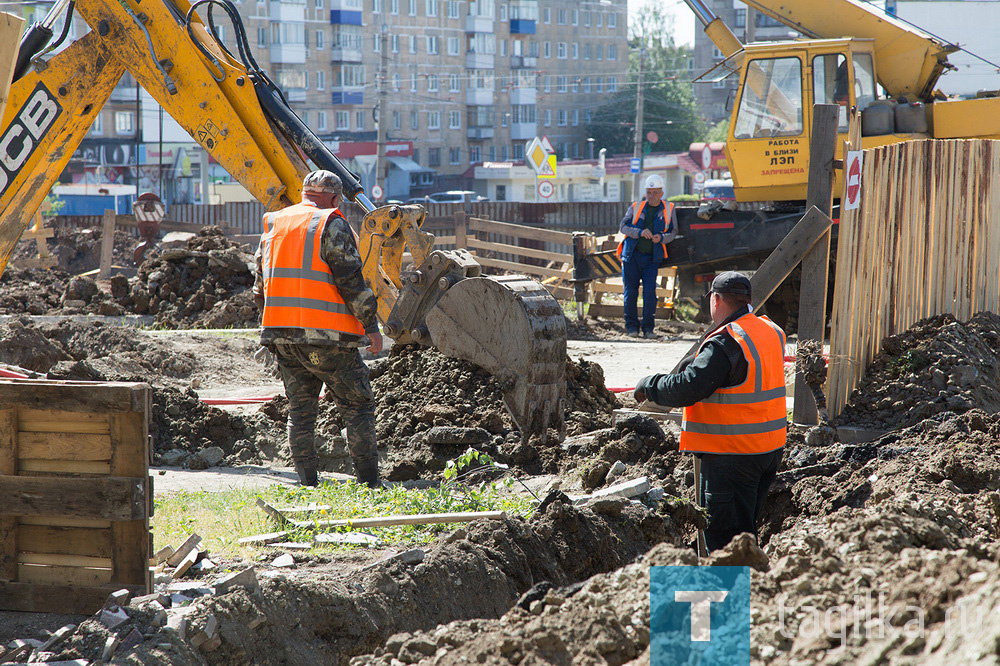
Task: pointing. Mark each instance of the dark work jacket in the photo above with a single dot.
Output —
(719, 364)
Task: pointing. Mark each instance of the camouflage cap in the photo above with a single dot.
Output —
(323, 181)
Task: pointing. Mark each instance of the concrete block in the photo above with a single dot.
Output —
(285, 560)
(110, 645)
(113, 618)
(246, 579)
(59, 636)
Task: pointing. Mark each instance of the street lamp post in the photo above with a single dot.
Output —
(590, 147)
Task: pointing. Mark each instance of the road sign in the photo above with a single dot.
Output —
(536, 154)
(548, 169)
(377, 192)
(699, 176)
(545, 189)
(852, 180)
(547, 145)
(634, 165)
(706, 158)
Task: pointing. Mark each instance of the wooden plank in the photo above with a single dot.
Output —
(49, 598)
(523, 268)
(11, 27)
(414, 519)
(51, 420)
(62, 521)
(790, 251)
(130, 542)
(64, 560)
(614, 288)
(521, 231)
(71, 396)
(64, 540)
(63, 466)
(108, 498)
(278, 517)
(64, 446)
(534, 253)
(8, 467)
(52, 575)
(816, 262)
(107, 244)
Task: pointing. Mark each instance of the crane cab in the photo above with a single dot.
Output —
(768, 144)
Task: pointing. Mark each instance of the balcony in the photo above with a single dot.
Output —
(288, 54)
(523, 96)
(523, 62)
(295, 94)
(479, 60)
(480, 133)
(345, 17)
(348, 95)
(345, 54)
(478, 24)
(479, 97)
(522, 26)
(288, 12)
(523, 131)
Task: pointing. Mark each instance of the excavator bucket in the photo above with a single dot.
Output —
(512, 327)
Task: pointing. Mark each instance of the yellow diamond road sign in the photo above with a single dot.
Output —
(538, 155)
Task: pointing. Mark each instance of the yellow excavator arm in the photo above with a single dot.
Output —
(511, 327)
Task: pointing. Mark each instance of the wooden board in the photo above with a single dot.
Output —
(524, 268)
(31, 598)
(618, 311)
(520, 231)
(51, 420)
(88, 542)
(106, 498)
(534, 253)
(70, 396)
(64, 446)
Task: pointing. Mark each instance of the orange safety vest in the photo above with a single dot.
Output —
(298, 286)
(668, 212)
(750, 418)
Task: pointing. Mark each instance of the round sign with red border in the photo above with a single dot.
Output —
(377, 192)
(545, 189)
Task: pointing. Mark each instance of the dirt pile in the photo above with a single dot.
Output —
(203, 285)
(79, 250)
(49, 292)
(326, 614)
(938, 365)
(614, 329)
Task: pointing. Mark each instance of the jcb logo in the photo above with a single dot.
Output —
(25, 132)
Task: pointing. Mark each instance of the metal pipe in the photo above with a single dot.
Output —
(57, 10)
(702, 11)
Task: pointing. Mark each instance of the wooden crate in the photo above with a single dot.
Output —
(75, 494)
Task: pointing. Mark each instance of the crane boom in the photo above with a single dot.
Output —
(910, 61)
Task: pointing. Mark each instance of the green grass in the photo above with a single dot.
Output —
(686, 309)
(222, 518)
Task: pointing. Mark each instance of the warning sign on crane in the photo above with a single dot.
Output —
(852, 180)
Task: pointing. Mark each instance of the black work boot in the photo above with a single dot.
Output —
(366, 472)
(308, 476)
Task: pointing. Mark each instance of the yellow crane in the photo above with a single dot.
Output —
(511, 327)
(850, 49)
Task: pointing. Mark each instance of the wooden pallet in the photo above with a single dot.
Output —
(75, 495)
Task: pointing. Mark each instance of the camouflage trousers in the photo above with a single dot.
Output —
(304, 370)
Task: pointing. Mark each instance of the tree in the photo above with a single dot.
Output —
(669, 109)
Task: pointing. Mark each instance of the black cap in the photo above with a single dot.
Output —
(731, 282)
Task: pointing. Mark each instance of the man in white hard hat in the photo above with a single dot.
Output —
(648, 226)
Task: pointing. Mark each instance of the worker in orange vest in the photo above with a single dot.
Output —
(733, 394)
(317, 312)
(647, 227)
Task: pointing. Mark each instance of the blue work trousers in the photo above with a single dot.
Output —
(640, 267)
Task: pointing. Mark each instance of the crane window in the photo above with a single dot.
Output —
(864, 80)
(772, 99)
(831, 84)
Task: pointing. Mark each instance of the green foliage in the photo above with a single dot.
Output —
(684, 197)
(669, 108)
(912, 360)
(55, 204)
(718, 132)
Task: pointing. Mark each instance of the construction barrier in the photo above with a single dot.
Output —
(75, 494)
(924, 241)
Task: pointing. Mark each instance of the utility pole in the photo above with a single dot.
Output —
(381, 163)
(637, 143)
(750, 30)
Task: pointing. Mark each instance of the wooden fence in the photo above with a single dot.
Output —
(925, 241)
(75, 495)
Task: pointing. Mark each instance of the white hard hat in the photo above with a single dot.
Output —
(655, 181)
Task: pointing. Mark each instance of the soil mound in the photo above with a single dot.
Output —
(938, 365)
(79, 250)
(203, 285)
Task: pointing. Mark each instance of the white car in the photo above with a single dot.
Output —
(456, 196)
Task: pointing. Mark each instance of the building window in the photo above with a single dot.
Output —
(598, 85)
(586, 19)
(349, 75)
(612, 20)
(503, 119)
(576, 149)
(523, 113)
(98, 126)
(576, 51)
(455, 84)
(321, 121)
(320, 39)
(432, 45)
(413, 82)
(394, 7)
(504, 153)
(482, 42)
(359, 120)
(261, 36)
(547, 117)
(473, 154)
(394, 41)
(716, 53)
(453, 46)
(561, 50)
(576, 18)
(342, 120)
(434, 120)
(548, 83)
(432, 8)
(503, 48)
(348, 37)
(561, 84)
(454, 155)
(586, 84)
(612, 84)
(397, 120)
(432, 83)
(124, 122)
(588, 116)
(600, 19)
(433, 157)
(305, 118)
(612, 52)
(547, 15)
(377, 42)
(576, 117)
(600, 52)
(561, 118)
(453, 11)
(414, 120)
(493, 156)
(454, 120)
(320, 80)
(377, 6)
(586, 51)
(413, 43)
(503, 12)
(561, 17)
(395, 82)
(547, 49)
(318, 4)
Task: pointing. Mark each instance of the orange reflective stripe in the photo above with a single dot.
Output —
(298, 286)
(751, 417)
